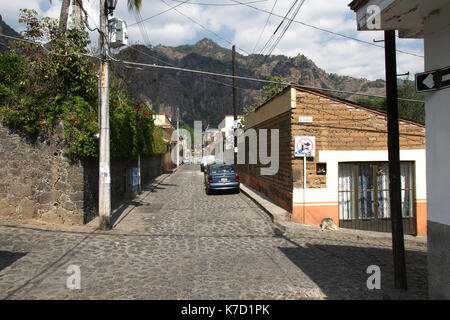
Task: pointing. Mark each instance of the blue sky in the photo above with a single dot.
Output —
(243, 25)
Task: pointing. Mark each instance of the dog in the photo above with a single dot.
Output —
(328, 223)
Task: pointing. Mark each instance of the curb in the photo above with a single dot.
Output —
(278, 217)
(262, 204)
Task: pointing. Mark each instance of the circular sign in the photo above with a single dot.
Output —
(304, 146)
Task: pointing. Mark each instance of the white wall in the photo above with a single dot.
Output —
(437, 55)
(332, 158)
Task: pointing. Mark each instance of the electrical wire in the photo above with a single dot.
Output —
(245, 78)
(252, 79)
(271, 39)
(45, 49)
(265, 25)
(158, 14)
(209, 73)
(285, 28)
(221, 4)
(203, 27)
(325, 30)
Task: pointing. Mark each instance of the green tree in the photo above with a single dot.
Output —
(407, 109)
(268, 91)
(57, 81)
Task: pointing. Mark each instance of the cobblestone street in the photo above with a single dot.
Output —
(179, 243)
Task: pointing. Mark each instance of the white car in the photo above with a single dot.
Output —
(205, 161)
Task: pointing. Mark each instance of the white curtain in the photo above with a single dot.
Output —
(365, 197)
(346, 191)
(406, 183)
(383, 190)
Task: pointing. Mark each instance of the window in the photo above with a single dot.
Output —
(364, 190)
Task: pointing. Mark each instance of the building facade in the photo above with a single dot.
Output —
(226, 128)
(163, 121)
(347, 178)
(427, 20)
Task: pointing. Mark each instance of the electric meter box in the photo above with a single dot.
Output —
(118, 33)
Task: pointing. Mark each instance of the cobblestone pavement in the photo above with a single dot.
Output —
(179, 243)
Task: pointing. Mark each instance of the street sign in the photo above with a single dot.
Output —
(433, 80)
(305, 146)
(305, 119)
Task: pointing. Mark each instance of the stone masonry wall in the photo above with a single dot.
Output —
(38, 182)
(341, 126)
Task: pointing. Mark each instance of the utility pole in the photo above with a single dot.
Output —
(104, 194)
(398, 246)
(234, 105)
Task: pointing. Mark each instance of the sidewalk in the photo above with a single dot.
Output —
(119, 213)
(281, 219)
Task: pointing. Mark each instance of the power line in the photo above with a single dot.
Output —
(281, 23)
(265, 25)
(203, 27)
(45, 49)
(158, 14)
(207, 73)
(285, 27)
(251, 79)
(220, 4)
(325, 30)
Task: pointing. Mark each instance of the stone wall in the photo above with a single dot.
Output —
(38, 182)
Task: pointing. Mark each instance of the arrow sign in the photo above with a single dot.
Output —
(304, 146)
(433, 80)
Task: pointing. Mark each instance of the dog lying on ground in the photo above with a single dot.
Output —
(328, 223)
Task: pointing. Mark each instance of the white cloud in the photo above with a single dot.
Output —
(242, 25)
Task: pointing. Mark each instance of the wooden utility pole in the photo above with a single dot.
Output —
(234, 105)
(104, 193)
(398, 246)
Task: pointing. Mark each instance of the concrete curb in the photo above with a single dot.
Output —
(275, 213)
(281, 221)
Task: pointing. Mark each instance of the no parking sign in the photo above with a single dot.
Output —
(305, 146)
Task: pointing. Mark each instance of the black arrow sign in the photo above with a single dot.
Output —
(433, 80)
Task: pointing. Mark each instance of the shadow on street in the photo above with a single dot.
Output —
(340, 271)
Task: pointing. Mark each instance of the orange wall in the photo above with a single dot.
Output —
(421, 213)
(313, 214)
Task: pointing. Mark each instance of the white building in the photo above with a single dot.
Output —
(226, 128)
(430, 20)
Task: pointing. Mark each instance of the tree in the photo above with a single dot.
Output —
(407, 109)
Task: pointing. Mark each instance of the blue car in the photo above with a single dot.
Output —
(221, 177)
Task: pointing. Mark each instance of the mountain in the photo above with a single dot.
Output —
(5, 43)
(209, 98)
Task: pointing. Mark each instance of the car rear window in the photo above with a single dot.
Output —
(222, 169)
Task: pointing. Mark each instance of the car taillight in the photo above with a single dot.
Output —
(210, 179)
(237, 178)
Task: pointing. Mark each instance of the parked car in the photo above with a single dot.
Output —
(187, 160)
(205, 161)
(221, 177)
